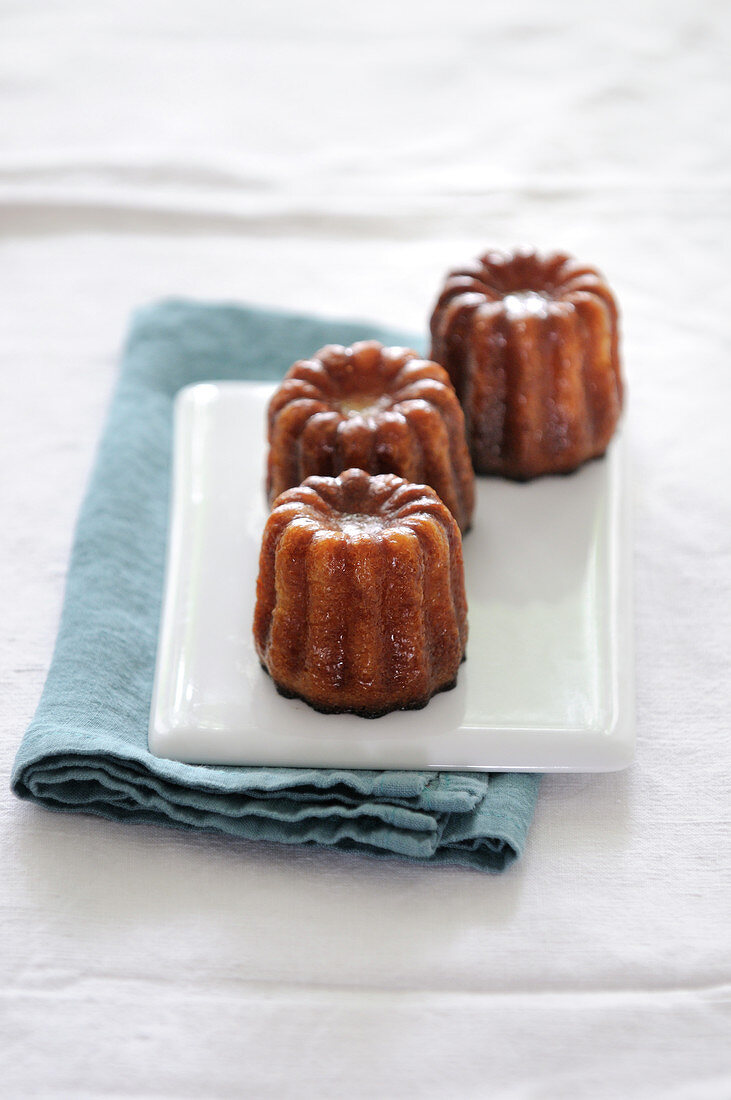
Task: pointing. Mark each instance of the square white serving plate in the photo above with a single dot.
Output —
(547, 685)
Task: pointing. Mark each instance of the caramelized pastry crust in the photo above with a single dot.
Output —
(384, 410)
(531, 345)
(360, 602)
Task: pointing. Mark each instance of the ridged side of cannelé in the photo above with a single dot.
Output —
(406, 421)
(531, 345)
(361, 603)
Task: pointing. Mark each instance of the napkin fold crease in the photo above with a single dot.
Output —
(86, 748)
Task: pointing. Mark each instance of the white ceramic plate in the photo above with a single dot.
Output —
(547, 685)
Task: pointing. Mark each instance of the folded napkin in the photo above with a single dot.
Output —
(86, 749)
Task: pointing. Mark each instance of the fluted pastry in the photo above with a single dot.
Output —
(531, 345)
(381, 409)
(360, 600)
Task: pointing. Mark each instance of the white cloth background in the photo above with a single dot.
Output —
(337, 158)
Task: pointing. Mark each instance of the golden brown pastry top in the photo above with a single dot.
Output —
(356, 504)
(527, 283)
(360, 382)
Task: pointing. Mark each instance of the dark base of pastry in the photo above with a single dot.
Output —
(523, 478)
(363, 712)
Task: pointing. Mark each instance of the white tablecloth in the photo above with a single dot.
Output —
(328, 158)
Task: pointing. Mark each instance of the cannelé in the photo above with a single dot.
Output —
(531, 345)
(380, 409)
(360, 602)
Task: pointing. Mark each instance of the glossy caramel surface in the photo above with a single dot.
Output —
(380, 409)
(531, 344)
(360, 601)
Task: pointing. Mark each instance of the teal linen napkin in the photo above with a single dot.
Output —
(86, 748)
